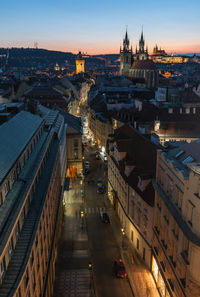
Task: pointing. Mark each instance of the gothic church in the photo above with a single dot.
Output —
(137, 66)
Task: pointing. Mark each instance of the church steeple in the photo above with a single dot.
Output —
(142, 53)
(141, 42)
(126, 41)
(125, 55)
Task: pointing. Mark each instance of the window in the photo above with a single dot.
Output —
(1, 198)
(26, 278)
(10, 246)
(75, 143)
(2, 267)
(13, 178)
(143, 256)
(190, 212)
(138, 244)
(75, 154)
(6, 189)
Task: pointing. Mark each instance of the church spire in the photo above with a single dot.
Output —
(142, 37)
(126, 41)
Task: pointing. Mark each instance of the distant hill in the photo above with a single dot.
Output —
(191, 54)
(30, 57)
(33, 57)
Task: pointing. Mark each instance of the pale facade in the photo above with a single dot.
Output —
(100, 127)
(131, 196)
(31, 183)
(176, 243)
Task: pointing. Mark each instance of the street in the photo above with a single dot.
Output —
(88, 246)
(103, 245)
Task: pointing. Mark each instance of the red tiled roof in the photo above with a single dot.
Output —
(143, 64)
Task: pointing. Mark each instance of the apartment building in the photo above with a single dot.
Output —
(32, 174)
(176, 239)
(131, 168)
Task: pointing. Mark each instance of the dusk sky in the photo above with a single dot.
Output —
(98, 27)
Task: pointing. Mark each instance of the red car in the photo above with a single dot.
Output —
(119, 269)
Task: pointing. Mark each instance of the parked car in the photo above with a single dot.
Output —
(119, 269)
(99, 182)
(104, 217)
(97, 154)
(100, 189)
(87, 167)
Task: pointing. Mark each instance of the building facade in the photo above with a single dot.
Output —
(131, 166)
(33, 169)
(176, 240)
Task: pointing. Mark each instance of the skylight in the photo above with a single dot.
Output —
(188, 159)
(179, 153)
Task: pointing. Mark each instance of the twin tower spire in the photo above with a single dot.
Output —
(126, 43)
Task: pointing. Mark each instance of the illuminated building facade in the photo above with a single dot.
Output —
(80, 63)
(176, 240)
(33, 168)
(131, 167)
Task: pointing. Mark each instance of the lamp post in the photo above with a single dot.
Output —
(82, 216)
(90, 269)
(123, 234)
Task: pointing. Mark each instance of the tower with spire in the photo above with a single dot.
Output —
(125, 56)
(142, 53)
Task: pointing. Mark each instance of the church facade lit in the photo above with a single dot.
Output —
(138, 65)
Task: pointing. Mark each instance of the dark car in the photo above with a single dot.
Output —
(100, 189)
(97, 154)
(87, 167)
(104, 217)
(119, 269)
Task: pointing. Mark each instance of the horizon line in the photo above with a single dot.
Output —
(85, 53)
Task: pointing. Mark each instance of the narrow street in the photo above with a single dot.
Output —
(88, 246)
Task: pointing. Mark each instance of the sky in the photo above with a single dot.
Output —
(98, 26)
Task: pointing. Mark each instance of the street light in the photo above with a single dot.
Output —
(90, 269)
(82, 215)
(123, 234)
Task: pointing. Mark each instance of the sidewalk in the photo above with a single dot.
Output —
(140, 278)
(73, 277)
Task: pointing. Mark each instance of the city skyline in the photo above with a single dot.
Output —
(99, 28)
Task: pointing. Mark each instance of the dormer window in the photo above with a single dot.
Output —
(188, 160)
(179, 154)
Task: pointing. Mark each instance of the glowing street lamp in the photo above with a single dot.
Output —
(82, 216)
(90, 269)
(123, 234)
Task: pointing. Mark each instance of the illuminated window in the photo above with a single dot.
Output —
(155, 269)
